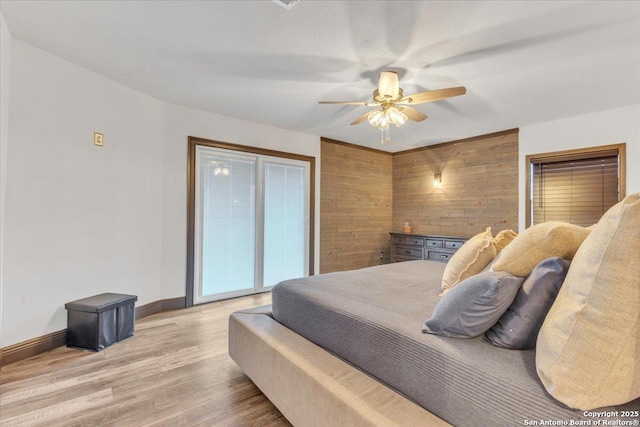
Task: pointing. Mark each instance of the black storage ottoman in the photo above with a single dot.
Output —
(96, 322)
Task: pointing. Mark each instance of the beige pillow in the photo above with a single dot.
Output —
(503, 238)
(539, 242)
(470, 259)
(588, 349)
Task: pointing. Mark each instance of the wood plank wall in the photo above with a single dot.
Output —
(479, 186)
(355, 206)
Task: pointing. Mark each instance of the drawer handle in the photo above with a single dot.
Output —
(444, 256)
(407, 252)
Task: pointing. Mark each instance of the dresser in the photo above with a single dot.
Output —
(407, 247)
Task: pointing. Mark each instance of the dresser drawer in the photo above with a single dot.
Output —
(453, 244)
(408, 240)
(407, 247)
(439, 256)
(408, 252)
(434, 243)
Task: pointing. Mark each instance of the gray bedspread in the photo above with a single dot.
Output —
(372, 318)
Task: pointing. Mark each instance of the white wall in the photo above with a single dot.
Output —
(590, 130)
(5, 71)
(83, 220)
(182, 122)
(80, 219)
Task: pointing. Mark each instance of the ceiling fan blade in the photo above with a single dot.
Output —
(413, 114)
(433, 95)
(361, 119)
(366, 103)
(388, 84)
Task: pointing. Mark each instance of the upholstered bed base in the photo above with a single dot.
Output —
(310, 386)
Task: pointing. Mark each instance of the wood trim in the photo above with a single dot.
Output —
(191, 209)
(193, 142)
(575, 154)
(159, 306)
(247, 149)
(622, 152)
(25, 349)
(458, 141)
(32, 347)
(312, 217)
(359, 147)
(578, 153)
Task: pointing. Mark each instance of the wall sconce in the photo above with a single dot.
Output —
(437, 179)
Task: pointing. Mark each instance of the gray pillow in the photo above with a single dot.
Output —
(518, 328)
(473, 305)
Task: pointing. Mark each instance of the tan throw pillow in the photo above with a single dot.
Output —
(539, 242)
(588, 349)
(470, 259)
(503, 238)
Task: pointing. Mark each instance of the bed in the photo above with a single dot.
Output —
(347, 348)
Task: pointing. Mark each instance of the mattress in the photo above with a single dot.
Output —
(372, 318)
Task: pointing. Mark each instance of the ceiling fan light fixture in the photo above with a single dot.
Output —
(388, 98)
(224, 171)
(388, 85)
(376, 117)
(396, 116)
(220, 168)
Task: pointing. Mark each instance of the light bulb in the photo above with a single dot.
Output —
(384, 124)
(375, 117)
(396, 116)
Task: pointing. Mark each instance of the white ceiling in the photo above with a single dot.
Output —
(522, 62)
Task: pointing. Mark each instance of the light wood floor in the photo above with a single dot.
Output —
(175, 371)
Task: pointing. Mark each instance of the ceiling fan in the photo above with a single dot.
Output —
(394, 107)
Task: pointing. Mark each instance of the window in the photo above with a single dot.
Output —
(575, 186)
(250, 219)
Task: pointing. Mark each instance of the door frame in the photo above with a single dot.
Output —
(193, 142)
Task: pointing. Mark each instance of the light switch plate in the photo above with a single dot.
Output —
(98, 139)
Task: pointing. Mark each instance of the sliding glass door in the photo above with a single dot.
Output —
(285, 222)
(251, 222)
(226, 210)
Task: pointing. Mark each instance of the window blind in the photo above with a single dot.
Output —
(578, 191)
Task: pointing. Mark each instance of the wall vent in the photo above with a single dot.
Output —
(287, 4)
